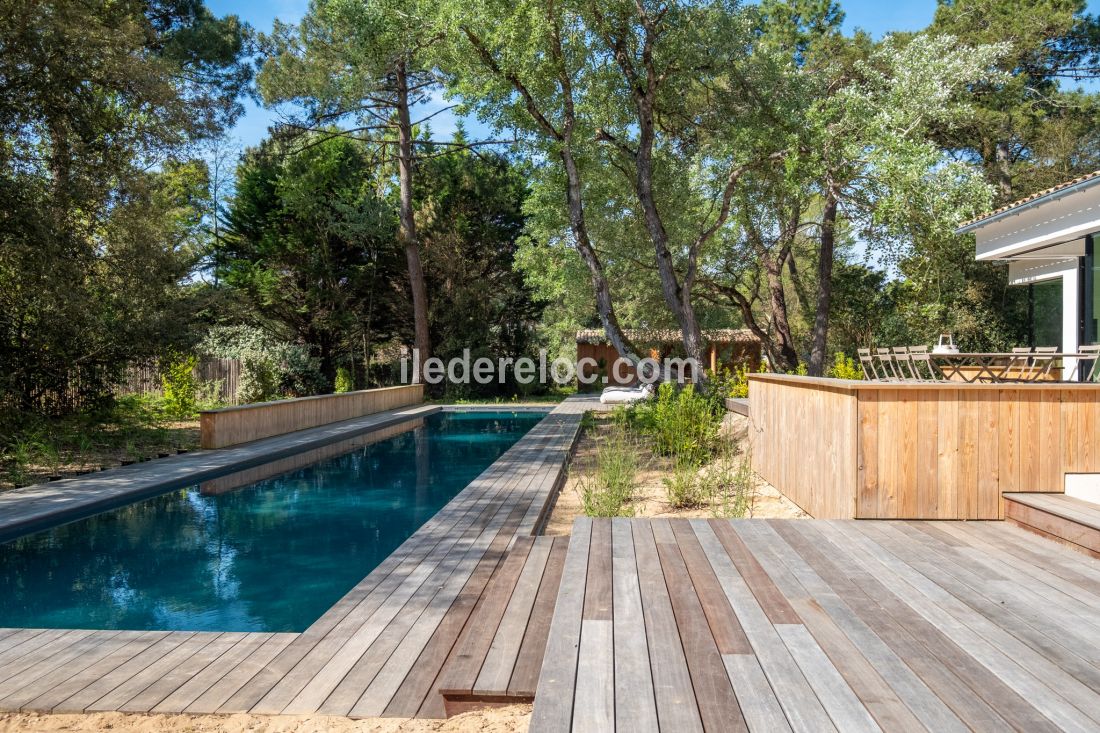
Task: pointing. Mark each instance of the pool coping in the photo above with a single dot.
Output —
(39, 506)
(81, 671)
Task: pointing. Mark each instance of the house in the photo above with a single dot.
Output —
(1048, 242)
(725, 347)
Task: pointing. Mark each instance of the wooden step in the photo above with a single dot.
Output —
(497, 659)
(1064, 519)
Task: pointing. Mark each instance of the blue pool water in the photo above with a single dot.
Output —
(269, 555)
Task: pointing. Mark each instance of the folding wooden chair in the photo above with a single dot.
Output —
(923, 366)
(1042, 365)
(905, 364)
(1094, 370)
(886, 361)
(1020, 362)
(867, 363)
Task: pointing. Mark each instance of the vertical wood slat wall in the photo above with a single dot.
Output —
(233, 425)
(919, 451)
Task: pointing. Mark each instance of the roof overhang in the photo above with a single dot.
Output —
(1052, 225)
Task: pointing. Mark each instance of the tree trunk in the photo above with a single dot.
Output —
(677, 295)
(824, 285)
(604, 305)
(781, 347)
(407, 229)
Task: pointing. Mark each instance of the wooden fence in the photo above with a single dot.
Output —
(145, 379)
(879, 450)
(232, 425)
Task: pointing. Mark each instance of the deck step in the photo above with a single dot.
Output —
(1064, 519)
(497, 659)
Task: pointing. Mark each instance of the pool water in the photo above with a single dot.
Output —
(272, 555)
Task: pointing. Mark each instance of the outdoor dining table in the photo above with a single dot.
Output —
(994, 366)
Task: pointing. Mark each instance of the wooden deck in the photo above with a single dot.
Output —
(381, 650)
(1060, 518)
(815, 625)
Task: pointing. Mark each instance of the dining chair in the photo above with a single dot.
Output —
(886, 361)
(1094, 370)
(867, 363)
(1020, 362)
(905, 364)
(918, 356)
(1041, 365)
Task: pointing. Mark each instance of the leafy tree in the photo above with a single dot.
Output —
(368, 63)
(526, 67)
(93, 245)
(311, 246)
(1017, 130)
(470, 217)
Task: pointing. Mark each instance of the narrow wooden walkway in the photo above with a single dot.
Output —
(379, 651)
(25, 509)
(810, 625)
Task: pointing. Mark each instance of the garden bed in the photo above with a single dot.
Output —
(715, 481)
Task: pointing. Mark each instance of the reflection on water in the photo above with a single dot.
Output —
(270, 556)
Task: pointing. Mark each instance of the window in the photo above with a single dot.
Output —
(1045, 310)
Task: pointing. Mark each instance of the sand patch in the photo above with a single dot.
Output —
(650, 494)
(510, 719)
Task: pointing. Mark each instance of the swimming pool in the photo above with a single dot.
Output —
(268, 549)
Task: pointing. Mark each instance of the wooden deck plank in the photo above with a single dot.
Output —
(714, 694)
(235, 678)
(800, 704)
(759, 705)
(200, 682)
(24, 687)
(171, 680)
(501, 658)
(635, 706)
(559, 668)
(125, 645)
(881, 681)
(674, 695)
(594, 697)
(120, 696)
(385, 685)
(993, 619)
(417, 695)
(133, 666)
(525, 676)
(930, 601)
(391, 630)
(954, 677)
(463, 668)
(726, 630)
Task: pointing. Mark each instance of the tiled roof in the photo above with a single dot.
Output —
(1033, 197)
(668, 336)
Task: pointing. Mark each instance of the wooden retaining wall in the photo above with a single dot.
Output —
(873, 450)
(233, 425)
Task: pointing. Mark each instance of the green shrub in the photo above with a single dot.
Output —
(270, 368)
(728, 486)
(344, 382)
(683, 424)
(844, 367)
(607, 492)
(179, 385)
(684, 487)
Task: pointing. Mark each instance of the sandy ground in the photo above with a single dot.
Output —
(651, 497)
(495, 720)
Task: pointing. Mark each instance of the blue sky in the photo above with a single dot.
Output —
(876, 16)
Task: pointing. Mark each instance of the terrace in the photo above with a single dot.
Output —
(630, 624)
